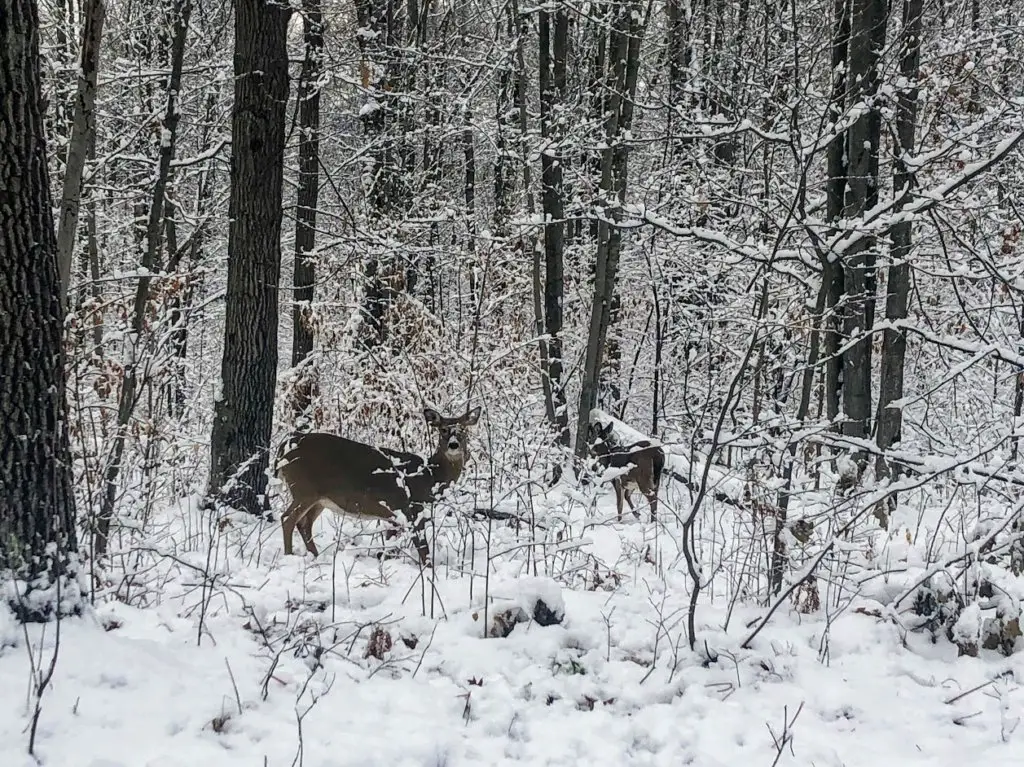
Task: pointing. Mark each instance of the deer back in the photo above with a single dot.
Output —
(361, 479)
(646, 461)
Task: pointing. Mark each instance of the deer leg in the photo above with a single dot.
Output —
(629, 500)
(305, 525)
(419, 539)
(652, 499)
(291, 517)
(617, 484)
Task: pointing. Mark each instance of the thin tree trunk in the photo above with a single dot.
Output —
(38, 545)
(553, 51)
(623, 47)
(504, 112)
(679, 53)
(154, 228)
(894, 341)
(835, 192)
(469, 193)
(307, 201)
(244, 408)
(83, 128)
(863, 137)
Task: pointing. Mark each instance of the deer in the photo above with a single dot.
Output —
(325, 471)
(643, 462)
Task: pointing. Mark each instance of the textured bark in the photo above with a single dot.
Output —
(894, 341)
(83, 129)
(37, 509)
(307, 200)
(244, 410)
(554, 45)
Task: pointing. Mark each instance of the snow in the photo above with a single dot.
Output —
(186, 669)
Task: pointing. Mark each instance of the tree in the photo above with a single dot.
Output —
(894, 340)
(620, 80)
(306, 203)
(38, 545)
(554, 49)
(863, 137)
(83, 132)
(244, 408)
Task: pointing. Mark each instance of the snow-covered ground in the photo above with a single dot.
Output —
(272, 663)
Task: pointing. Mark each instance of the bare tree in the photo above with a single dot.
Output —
(83, 131)
(306, 204)
(894, 340)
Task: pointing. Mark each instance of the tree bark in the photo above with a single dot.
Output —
(244, 408)
(38, 545)
(307, 201)
(894, 341)
(83, 129)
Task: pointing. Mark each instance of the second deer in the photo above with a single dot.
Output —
(643, 462)
(325, 471)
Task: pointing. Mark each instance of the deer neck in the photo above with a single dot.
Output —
(445, 470)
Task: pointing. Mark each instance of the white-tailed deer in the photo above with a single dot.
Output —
(644, 463)
(348, 477)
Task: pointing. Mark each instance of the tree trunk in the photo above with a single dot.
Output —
(867, 39)
(244, 408)
(83, 128)
(894, 341)
(38, 545)
(835, 192)
(307, 200)
(504, 107)
(624, 43)
(679, 18)
(553, 52)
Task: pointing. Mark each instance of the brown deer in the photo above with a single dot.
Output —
(644, 461)
(348, 477)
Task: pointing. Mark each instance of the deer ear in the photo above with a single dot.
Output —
(432, 416)
(470, 418)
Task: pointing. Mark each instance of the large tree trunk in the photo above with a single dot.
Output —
(244, 408)
(38, 545)
(894, 341)
(307, 200)
(553, 51)
(83, 128)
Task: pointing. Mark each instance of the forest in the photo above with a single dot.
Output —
(644, 381)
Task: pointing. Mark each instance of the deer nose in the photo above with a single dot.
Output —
(453, 443)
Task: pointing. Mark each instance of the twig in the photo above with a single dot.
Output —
(234, 685)
(785, 738)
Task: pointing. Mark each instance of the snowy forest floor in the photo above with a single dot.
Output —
(286, 672)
